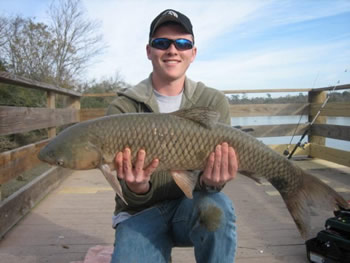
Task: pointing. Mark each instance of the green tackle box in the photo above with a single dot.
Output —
(331, 245)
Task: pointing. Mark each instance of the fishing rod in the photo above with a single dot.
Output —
(290, 154)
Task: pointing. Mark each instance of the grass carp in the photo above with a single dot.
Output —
(182, 141)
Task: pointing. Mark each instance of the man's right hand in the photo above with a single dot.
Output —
(136, 177)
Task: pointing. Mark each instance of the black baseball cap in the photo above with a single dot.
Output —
(171, 15)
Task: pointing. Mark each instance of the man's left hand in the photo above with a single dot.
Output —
(221, 167)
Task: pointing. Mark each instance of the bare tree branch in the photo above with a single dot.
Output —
(56, 53)
(78, 39)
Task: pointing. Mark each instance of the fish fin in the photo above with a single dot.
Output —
(251, 175)
(113, 181)
(311, 192)
(186, 181)
(201, 115)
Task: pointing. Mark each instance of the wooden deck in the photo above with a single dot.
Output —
(77, 216)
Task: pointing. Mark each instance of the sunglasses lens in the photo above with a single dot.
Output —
(164, 43)
(183, 44)
(161, 43)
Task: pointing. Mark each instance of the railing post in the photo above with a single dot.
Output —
(317, 97)
(51, 104)
(74, 102)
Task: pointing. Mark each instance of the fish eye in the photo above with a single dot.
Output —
(59, 163)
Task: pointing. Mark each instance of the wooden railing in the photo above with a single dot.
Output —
(22, 119)
(15, 162)
(318, 132)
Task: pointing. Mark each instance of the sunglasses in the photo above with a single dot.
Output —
(164, 43)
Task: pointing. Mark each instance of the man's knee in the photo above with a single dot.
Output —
(215, 210)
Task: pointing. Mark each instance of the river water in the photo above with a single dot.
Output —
(273, 120)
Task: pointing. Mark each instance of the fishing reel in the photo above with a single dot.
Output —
(300, 145)
(286, 152)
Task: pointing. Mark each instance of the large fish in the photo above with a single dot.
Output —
(182, 141)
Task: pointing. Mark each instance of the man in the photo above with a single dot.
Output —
(158, 215)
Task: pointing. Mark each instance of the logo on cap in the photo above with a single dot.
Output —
(171, 13)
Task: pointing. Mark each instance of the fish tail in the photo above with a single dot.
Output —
(311, 192)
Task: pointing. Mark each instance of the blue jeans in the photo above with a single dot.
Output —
(206, 222)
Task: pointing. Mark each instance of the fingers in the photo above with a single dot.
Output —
(151, 168)
(127, 166)
(221, 166)
(217, 165)
(210, 166)
(136, 174)
(224, 163)
(138, 170)
(233, 163)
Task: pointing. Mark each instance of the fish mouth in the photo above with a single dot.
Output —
(45, 156)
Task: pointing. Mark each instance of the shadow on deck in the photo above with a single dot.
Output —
(77, 216)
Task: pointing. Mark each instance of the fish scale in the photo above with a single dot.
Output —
(182, 141)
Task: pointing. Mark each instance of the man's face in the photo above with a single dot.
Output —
(171, 64)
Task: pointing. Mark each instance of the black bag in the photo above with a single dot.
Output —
(331, 245)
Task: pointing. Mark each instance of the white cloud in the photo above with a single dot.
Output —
(280, 68)
(126, 27)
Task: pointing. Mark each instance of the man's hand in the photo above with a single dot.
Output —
(137, 178)
(221, 167)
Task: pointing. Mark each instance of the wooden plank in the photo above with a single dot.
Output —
(9, 78)
(274, 130)
(339, 132)
(15, 162)
(334, 109)
(88, 114)
(74, 103)
(16, 206)
(111, 94)
(330, 154)
(23, 119)
(240, 91)
(246, 110)
(338, 87)
(317, 97)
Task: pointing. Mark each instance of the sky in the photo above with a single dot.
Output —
(242, 44)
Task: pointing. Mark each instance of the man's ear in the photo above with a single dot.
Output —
(148, 50)
(194, 53)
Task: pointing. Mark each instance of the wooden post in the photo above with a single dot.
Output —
(317, 97)
(74, 102)
(51, 104)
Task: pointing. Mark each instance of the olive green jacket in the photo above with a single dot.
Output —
(141, 98)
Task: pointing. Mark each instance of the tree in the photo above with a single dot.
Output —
(28, 49)
(77, 39)
(3, 40)
(3, 30)
(56, 52)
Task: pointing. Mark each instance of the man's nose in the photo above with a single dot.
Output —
(172, 48)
